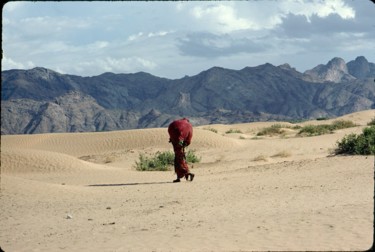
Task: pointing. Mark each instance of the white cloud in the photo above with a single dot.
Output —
(222, 18)
(231, 16)
(157, 34)
(135, 36)
(143, 35)
(115, 65)
(55, 22)
(320, 8)
(13, 6)
(43, 35)
(172, 39)
(98, 45)
(8, 63)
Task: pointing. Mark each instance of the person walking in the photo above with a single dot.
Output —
(180, 135)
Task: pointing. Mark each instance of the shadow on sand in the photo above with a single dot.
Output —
(131, 184)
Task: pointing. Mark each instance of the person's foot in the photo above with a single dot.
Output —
(176, 180)
(191, 176)
(187, 176)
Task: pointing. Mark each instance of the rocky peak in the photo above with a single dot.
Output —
(285, 66)
(291, 70)
(361, 60)
(334, 71)
(360, 68)
(42, 73)
(337, 64)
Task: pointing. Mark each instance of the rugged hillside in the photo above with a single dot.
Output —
(335, 71)
(361, 68)
(40, 100)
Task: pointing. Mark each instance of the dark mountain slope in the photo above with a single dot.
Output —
(40, 100)
(361, 68)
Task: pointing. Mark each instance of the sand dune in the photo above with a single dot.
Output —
(80, 192)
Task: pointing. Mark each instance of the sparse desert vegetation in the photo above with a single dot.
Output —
(233, 131)
(308, 130)
(162, 161)
(275, 129)
(372, 122)
(362, 144)
(283, 154)
(211, 129)
(321, 129)
(260, 158)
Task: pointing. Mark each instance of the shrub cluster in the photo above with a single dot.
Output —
(372, 122)
(275, 129)
(191, 157)
(233, 131)
(316, 130)
(159, 162)
(363, 144)
(211, 129)
(162, 161)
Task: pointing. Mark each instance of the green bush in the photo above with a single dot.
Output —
(159, 162)
(372, 122)
(296, 127)
(347, 144)
(342, 124)
(162, 161)
(366, 142)
(211, 129)
(321, 129)
(315, 130)
(233, 131)
(363, 144)
(275, 129)
(191, 157)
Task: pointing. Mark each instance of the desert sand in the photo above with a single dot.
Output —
(81, 192)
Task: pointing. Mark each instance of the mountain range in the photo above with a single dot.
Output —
(40, 100)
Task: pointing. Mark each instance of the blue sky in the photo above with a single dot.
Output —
(174, 39)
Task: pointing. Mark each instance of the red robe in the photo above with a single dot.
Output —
(180, 132)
